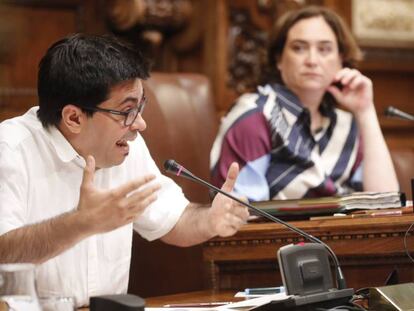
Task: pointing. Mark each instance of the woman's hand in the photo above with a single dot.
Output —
(356, 93)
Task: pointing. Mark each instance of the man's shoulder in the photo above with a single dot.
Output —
(15, 131)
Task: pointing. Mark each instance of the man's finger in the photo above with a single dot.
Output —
(240, 211)
(143, 204)
(231, 177)
(139, 196)
(123, 190)
(88, 172)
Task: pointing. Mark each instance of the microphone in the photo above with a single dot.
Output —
(394, 112)
(174, 168)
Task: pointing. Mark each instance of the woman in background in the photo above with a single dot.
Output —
(290, 138)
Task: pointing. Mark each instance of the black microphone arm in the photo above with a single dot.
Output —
(174, 168)
(394, 112)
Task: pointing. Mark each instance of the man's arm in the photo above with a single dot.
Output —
(98, 212)
(39, 242)
(199, 224)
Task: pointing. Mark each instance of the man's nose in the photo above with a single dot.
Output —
(139, 124)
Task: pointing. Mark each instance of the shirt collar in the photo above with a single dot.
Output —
(286, 99)
(63, 148)
(291, 102)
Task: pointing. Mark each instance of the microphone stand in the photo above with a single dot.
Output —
(394, 112)
(173, 167)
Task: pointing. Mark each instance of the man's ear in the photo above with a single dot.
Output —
(73, 118)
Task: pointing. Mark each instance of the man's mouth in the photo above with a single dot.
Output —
(121, 143)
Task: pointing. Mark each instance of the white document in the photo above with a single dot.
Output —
(253, 303)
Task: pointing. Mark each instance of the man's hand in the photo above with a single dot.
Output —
(106, 210)
(226, 216)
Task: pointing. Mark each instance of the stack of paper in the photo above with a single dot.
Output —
(371, 200)
(331, 205)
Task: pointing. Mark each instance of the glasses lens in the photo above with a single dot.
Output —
(142, 104)
(132, 115)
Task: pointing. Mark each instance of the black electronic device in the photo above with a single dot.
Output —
(307, 277)
(121, 302)
(319, 291)
(305, 268)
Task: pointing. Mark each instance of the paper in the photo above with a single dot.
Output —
(180, 309)
(253, 303)
(331, 205)
(245, 305)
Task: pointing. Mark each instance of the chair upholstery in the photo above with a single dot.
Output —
(181, 125)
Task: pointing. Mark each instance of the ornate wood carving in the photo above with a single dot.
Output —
(246, 51)
(153, 19)
(247, 39)
(160, 14)
(297, 239)
(125, 14)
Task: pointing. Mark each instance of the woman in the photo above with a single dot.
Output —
(290, 138)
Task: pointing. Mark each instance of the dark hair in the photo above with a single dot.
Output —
(81, 69)
(347, 45)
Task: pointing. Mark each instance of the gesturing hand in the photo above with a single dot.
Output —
(226, 216)
(107, 210)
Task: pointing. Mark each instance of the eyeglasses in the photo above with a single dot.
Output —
(129, 115)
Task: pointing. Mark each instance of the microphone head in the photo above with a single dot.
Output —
(171, 166)
(390, 111)
(394, 112)
(177, 169)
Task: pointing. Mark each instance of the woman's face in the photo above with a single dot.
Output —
(310, 58)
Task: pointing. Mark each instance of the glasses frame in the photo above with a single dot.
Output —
(139, 109)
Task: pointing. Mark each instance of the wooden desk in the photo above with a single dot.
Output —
(368, 249)
(193, 297)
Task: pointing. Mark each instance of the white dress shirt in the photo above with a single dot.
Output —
(40, 176)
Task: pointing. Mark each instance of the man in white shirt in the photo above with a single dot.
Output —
(76, 176)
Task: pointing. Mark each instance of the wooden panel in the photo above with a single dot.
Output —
(159, 269)
(32, 26)
(367, 248)
(393, 88)
(31, 43)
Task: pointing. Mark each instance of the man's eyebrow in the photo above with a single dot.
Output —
(128, 99)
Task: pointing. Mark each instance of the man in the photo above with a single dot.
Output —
(76, 176)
